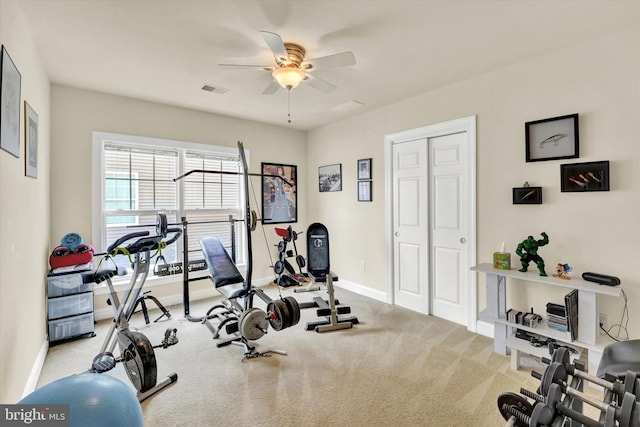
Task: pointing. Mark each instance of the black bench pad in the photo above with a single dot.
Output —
(226, 277)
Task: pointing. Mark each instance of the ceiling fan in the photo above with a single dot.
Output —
(291, 67)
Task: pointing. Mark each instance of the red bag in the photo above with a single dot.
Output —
(62, 256)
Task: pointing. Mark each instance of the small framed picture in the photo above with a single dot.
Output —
(364, 169)
(552, 139)
(30, 141)
(364, 191)
(527, 196)
(330, 178)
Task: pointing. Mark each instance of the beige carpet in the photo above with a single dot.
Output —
(395, 368)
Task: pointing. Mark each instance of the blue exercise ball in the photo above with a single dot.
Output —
(96, 400)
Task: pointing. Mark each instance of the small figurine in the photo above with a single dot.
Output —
(530, 248)
(562, 271)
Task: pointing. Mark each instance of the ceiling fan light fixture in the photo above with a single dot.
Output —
(288, 77)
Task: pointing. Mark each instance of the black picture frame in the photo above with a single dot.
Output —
(279, 195)
(330, 178)
(10, 86)
(365, 191)
(552, 139)
(364, 169)
(30, 141)
(527, 196)
(584, 177)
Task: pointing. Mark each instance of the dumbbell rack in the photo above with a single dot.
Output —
(503, 330)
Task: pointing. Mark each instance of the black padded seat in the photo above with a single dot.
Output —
(226, 277)
(620, 357)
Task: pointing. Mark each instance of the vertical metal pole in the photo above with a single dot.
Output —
(185, 267)
(232, 221)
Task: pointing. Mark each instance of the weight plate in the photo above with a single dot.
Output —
(289, 267)
(253, 324)
(294, 309)
(300, 261)
(254, 220)
(284, 313)
(275, 316)
(506, 400)
(282, 246)
(279, 267)
(162, 224)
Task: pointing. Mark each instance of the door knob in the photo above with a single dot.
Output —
(463, 240)
(396, 234)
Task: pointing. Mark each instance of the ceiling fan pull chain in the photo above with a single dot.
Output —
(289, 102)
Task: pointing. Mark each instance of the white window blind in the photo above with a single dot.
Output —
(138, 181)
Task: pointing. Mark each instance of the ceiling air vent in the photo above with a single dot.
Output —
(215, 89)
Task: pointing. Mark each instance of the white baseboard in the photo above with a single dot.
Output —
(36, 369)
(361, 290)
(484, 328)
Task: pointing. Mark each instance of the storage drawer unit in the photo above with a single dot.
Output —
(70, 307)
(69, 327)
(66, 284)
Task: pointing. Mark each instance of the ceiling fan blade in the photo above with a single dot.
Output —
(320, 84)
(272, 88)
(275, 43)
(343, 59)
(247, 67)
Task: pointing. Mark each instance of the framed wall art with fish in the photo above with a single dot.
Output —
(552, 139)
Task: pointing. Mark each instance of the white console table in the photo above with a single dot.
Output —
(503, 331)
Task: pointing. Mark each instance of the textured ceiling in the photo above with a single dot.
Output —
(166, 50)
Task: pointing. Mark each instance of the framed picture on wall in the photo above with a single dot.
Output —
(364, 191)
(30, 141)
(10, 81)
(330, 178)
(279, 193)
(552, 139)
(364, 169)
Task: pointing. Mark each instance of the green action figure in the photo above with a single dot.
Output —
(530, 248)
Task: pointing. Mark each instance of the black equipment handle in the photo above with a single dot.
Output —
(124, 238)
(175, 236)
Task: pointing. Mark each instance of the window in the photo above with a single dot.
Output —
(134, 180)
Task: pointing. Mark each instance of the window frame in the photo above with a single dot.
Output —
(98, 225)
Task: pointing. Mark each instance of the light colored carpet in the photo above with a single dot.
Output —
(395, 368)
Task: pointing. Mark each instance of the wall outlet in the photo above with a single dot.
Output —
(604, 322)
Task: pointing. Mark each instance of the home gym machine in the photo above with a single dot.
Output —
(136, 352)
(236, 315)
(559, 398)
(319, 270)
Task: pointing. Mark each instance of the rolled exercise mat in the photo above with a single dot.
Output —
(71, 240)
(601, 279)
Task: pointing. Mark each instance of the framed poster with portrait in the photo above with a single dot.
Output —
(279, 193)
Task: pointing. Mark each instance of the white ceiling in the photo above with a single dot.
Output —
(165, 50)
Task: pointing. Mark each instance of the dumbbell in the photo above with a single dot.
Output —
(630, 384)
(544, 413)
(627, 414)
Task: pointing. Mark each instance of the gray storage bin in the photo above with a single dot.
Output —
(70, 305)
(70, 327)
(66, 284)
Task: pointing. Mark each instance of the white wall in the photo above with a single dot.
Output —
(24, 220)
(76, 113)
(599, 79)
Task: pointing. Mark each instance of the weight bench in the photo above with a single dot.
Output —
(242, 322)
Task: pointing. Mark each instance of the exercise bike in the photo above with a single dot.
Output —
(136, 352)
